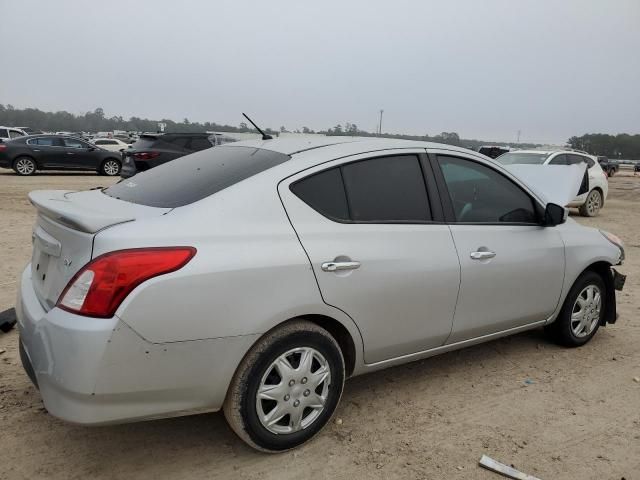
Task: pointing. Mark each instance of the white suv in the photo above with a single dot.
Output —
(7, 133)
(589, 203)
(111, 144)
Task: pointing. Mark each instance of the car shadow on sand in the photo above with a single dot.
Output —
(192, 438)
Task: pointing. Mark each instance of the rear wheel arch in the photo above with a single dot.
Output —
(341, 335)
(334, 327)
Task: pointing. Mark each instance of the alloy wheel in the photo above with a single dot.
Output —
(111, 167)
(293, 391)
(25, 166)
(593, 203)
(586, 311)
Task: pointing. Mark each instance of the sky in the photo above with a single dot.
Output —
(484, 69)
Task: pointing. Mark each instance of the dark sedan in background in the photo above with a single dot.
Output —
(27, 154)
(152, 150)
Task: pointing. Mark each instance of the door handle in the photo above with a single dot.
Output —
(483, 255)
(335, 266)
(70, 153)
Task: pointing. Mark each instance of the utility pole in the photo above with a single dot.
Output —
(518, 141)
(380, 123)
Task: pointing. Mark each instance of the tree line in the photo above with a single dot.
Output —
(621, 146)
(97, 121)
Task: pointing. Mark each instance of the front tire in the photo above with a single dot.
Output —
(110, 167)
(24, 166)
(286, 388)
(591, 207)
(582, 312)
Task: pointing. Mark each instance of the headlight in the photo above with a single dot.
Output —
(616, 241)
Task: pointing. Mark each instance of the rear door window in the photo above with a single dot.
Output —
(377, 190)
(44, 141)
(14, 134)
(324, 192)
(73, 143)
(194, 177)
(387, 189)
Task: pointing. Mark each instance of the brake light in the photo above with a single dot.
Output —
(145, 155)
(99, 288)
(2, 147)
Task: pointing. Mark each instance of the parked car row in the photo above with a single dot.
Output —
(27, 154)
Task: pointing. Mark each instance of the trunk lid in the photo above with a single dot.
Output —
(66, 225)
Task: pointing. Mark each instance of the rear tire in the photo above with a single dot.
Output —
(582, 312)
(110, 167)
(591, 207)
(277, 400)
(24, 166)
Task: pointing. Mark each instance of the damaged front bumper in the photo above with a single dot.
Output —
(614, 281)
(618, 279)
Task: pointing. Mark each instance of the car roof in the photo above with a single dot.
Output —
(290, 145)
(549, 152)
(175, 134)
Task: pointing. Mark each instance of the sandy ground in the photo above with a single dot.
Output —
(578, 419)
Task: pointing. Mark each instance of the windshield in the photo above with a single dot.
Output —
(193, 177)
(515, 158)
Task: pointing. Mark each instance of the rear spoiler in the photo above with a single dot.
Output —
(55, 205)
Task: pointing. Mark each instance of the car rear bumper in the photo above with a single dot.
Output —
(98, 371)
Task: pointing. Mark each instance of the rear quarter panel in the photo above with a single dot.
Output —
(250, 272)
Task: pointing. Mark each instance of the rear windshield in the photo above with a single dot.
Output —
(515, 158)
(194, 177)
(144, 142)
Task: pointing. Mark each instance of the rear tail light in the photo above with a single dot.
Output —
(145, 155)
(2, 147)
(99, 288)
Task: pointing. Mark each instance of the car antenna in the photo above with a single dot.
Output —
(264, 135)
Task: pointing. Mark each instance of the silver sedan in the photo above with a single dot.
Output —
(256, 276)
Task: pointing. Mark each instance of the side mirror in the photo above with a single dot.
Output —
(554, 215)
